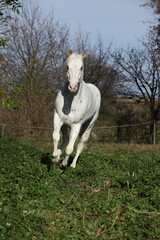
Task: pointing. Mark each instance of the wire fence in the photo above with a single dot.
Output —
(129, 133)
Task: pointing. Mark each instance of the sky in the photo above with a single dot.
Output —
(122, 22)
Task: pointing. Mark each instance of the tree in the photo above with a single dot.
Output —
(155, 5)
(141, 73)
(98, 68)
(101, 72)
(37, 47)
(34, 67)
(36, 50)
(155, 28)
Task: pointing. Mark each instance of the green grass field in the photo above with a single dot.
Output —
(115, 195)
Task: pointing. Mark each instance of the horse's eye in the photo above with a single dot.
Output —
(81, 68)
(67, 67)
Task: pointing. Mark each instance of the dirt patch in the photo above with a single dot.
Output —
(108, 147)
(102, 147)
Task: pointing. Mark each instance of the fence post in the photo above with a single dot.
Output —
(154, 132)
(2, 129)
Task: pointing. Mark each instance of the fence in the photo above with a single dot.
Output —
(129, 133)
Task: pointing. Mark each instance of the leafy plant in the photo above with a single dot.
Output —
(112, 196)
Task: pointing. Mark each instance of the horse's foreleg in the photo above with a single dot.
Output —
(56, 137)
(80, 146)
(75, 129)
(65, 138)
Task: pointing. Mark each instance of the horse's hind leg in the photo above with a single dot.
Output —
(80, 146)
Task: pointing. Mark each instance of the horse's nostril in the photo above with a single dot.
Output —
(72, 87)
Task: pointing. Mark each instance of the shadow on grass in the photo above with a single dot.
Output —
(47, 160)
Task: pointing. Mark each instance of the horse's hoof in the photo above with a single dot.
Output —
(62, 167)
(57, 163)
(73, 165)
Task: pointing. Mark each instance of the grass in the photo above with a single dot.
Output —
(115, 195)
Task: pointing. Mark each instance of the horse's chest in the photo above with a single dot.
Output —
(68, 119)
(72, 110)
(73, 116)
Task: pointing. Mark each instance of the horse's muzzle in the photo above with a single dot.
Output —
(72, 87)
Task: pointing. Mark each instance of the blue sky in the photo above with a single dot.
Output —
(121, 22)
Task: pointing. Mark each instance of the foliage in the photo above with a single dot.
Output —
(13, 4)
(10, 103)
(112, 196)
(6, 6)
(10, 5)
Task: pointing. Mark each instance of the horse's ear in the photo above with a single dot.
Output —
(69, 52)
(84, 54)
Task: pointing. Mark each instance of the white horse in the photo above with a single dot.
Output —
(76, 106)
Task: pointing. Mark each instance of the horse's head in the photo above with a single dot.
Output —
(74, 70)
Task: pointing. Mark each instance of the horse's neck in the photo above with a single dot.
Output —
(80, 89)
